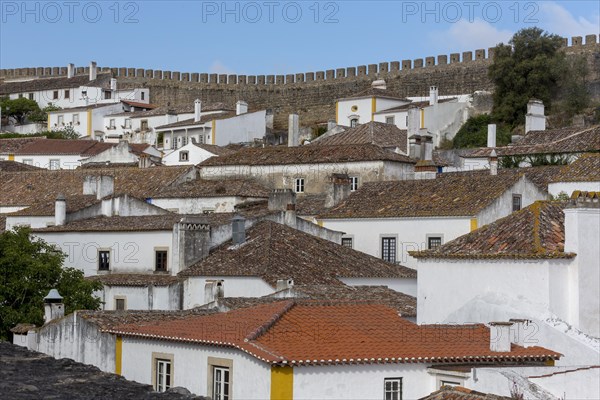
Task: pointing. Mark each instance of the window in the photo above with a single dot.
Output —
(61, 120)
(162, 374)
(433, 242)
(347, 242)
(107, 94)
(184, 141)
(184, 156)
(54, 164)
(388, 249)
(220, 383)
(160, 262)
(67, 94)
(299, 185)
(144, 125)
(84, 93)
(353, 183)
(516, 202)
(128, 123)
(28, 161)
(103, 260)
(120, 304)
(112, 123)
(392, 389)
(449, 383)
(75, 119)
(353, 122)
(143, 95)
(20, 95)
(389, 120)
(55, 95)
(30, 96)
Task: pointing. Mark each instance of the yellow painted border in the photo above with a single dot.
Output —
(214, 131)
(119, 355)
(373, 108)
(473, 224)
(337, 111)
(89, 122)
(282, 383)
(422, 118)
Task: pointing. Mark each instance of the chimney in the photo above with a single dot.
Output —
(193, 235)
(93, 71)
(535, 119)
(70, 70)
(379, 84)
(331, 124)
(144, 161)
(433, 95)
(105, 186)
(293, 130)
(500, 336)
(241, 107)
(106, 207)
(414, 120)
(60, 210)
(213, 291)
(284, 284)
(113, 84)
(197, 110)
(491, 135)
(290, 215)
(518, 331)
(426, 145)
(53, 306)
(170, 117)
(238, 230)
(582, 218)
(337, 190)
(493, 163)
(280, 198)
(414, 143)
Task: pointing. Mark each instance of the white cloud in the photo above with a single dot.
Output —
(218, 67)
(479, 34)
(554, 18)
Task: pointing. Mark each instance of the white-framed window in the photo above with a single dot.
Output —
(54, 164)
(184, 156)
(353, 122)
(120, 303)
(353, 183)
(28, 161)
(20, 95)
(107, 94)
(448, 383)
(221, 383)
(55, 95)
(433, 242)
(30, 96)
(299, 185)
(143, 95)
(128, 123)
(61, 120)
(163, 372)
(390, 120)
(67, 94)
(392, 389)
(144, 125)
(75, 119)
(516, 202)
(347, 242)
(388, 248)
(160, 259)
(112, 123)
(103, 260)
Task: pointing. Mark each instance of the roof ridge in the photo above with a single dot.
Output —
(262, 329)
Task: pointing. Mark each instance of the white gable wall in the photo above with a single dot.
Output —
(233, 286)
(195, 155)
(555, 188)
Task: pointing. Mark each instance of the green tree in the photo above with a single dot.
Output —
(19, 108)
(473, 133)
(41, 116)
(29, 268)
(530, 66)
(575, 90)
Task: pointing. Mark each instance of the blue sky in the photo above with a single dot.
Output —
(268, 37)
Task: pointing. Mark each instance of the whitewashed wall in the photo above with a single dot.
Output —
(200, 204)
(32, 222)
(555, 188)
(242, 128)
(233, 286)
(195, 155)
(345, 113)
(250, 378)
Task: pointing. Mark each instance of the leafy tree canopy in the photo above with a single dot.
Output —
(29, 268)
(530, 66)
(473, 133)
(41, 116)
(19, 108)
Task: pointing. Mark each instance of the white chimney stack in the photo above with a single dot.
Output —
(238, 230)
(493, 163)
(113, 84)
(491, 135)
(293, 130)
(70, 70)
(60, 210)
(93, 71)
(197, 110)
(500, 336)
(241, 107)
(284, 284)
(535, 120)
(53, 306)
(433, 95)
(518, 332)
(213, 290)
(414, 120)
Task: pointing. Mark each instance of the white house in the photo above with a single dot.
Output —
(545, 255)
(386, 136)
(125, 153)
(194, 153)
(220, 128)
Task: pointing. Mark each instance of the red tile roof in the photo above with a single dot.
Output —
(537, 231)
(316, 333)
(63, 147)
(461, 393)
(585, 169)
(11, 146)
(139, 104)
(377, 133)
(13, 166)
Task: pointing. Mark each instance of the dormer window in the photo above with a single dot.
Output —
(184, 156)
(353, 122)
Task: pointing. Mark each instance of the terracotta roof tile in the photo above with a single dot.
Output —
(585, 169)
(13, 166)
(543, 175)
(273, 251)
(22, 329)
(311, 204)
(11, 146)
(450, 194)
(461, 393)
(63, 147)
(283, 155)
(217, 150)
(47, 207)
(203, 120)
(213, 188)
(377, 133)
(135, 279)
(309, 333)
(376, 92)
(535, 232)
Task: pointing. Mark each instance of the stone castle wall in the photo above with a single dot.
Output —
(312, 94)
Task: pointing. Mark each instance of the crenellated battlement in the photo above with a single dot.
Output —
(380, 70)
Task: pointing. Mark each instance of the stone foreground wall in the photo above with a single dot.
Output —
(312, 94)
